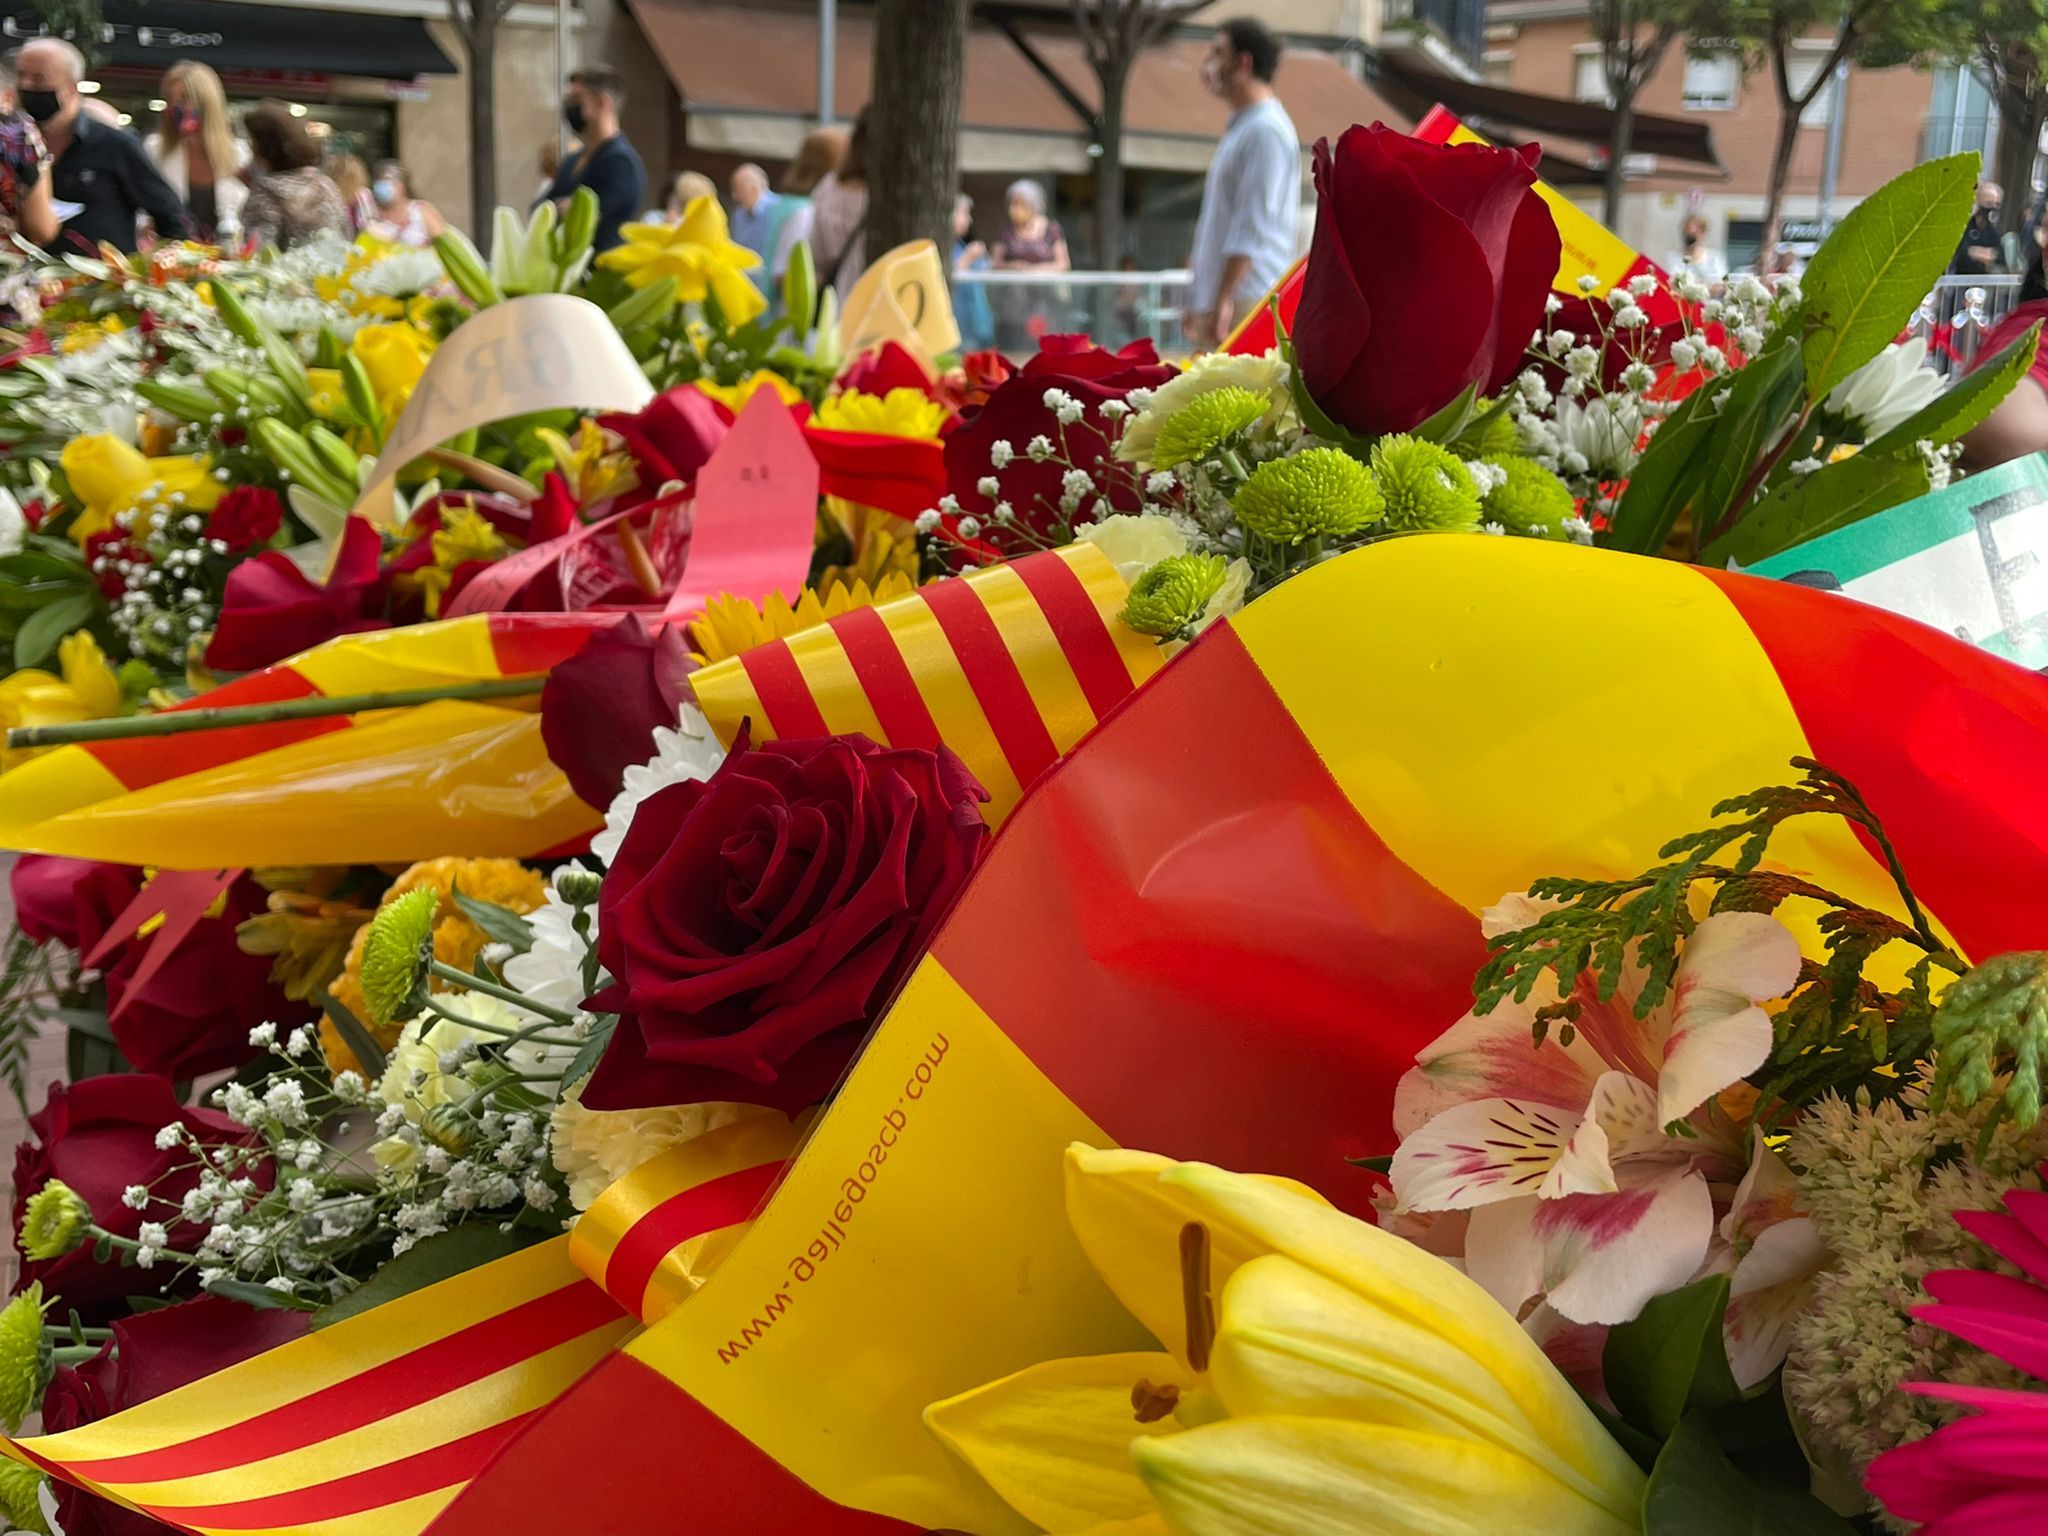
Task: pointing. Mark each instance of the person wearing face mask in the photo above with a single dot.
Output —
(401, 218)
(1978, 252)
(106, 173)
(197, 153)
(26, 206)
(1251, 201)
(607, 164)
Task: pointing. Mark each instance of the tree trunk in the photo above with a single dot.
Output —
(2022, 109)
(480, 41)
(914, 122)
(1619, 138)
(1774, 192)
(1109, 171)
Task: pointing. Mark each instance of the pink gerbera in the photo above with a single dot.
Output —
(1986, 1475)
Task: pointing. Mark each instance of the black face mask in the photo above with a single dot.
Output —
(40, 105)
(573, 115)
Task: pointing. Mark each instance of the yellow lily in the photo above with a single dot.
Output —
(86, 690)
(1324, 1376)
(111, 479)
(899, 413)
(698, 253)
(733, 624)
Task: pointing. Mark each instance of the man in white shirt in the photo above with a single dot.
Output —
(1251, 202)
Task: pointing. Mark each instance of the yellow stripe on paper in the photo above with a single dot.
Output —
(950, 698)
(1028, 635)
(408, 1517)
(410, 656)
(832, 682)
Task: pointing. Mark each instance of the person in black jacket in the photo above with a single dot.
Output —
(105, 173)
(607, 163)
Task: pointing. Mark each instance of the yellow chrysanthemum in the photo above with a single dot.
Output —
(735, 396)
(113, 481)
(698, 253)
(732, 624)
(88, 689)
(881, 545)
(457, 940)
(899, 413)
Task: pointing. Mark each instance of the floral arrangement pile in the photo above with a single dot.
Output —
(1719, 1211)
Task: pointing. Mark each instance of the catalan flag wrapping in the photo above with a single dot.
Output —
(1010, 667)
(1220, 929)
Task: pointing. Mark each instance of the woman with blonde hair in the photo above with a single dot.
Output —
(196, 151)
(351, 179)
(816, 158)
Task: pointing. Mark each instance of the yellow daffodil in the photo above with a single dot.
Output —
(735, 396)
(882, 545)
(1323, 1375)
(394, 356)
(732, 624)
(899, 413)
(114, 481)
(84, 688)
(698, 253)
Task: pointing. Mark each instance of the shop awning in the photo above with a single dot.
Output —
(232, 37)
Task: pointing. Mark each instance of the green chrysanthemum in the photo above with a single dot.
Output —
(1319, 493)
(395, 954)
(55, 1221)
(21, 1488)
(24, 1357)
(1205, 424)
(1173, 594)
(1426, 486)
(1531, 500)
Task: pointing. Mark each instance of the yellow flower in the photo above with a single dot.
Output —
(457, 940)
(464, 535)
(1324, 1376)
(88, 689)
(900, 413)
(55, 1221)
(881, 544)
(325, 385)
(114, 482)
(594, 462)
(698, 254)
(306, 929)
(82, 338)
(22, 1371)
(733, 624)
(394, 356)
(735, 396)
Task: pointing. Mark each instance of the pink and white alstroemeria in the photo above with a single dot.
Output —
(1774, 1254)
(1579, 1193)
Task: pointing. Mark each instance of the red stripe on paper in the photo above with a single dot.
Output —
(685, 1469)
(991, 671)
(446, 1365)
(784, 692)
(1278, 943)
(885, 678)
(1082, 628)
(719, 1202)
(142, 761)
(1948, 743)
(407, 1478)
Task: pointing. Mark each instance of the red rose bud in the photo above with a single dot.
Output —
(271, 609)
(600, 708)
(671, 438)
(99, 1137)
(1426, 277)
(889, 366)
(247, 516)
(150, 1354)
(757, 923)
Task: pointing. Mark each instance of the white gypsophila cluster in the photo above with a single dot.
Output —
(689, 752)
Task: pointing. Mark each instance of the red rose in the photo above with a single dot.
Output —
(247, 516)
(99, 1136)
(150, 1354)
(1427, 275)
(756, 923)
(72, 901)
(599, 709)
(672, 437)
(1016, 413)
(270, 609)
(881, 369)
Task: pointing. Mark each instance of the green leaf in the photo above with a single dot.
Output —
(501, 925)
(1811, 505)
(1879, 263)
(1671, 1358)
(428, 1262)
(1665, 476)
(1451, 420)
(1755, 414)
(1966, 402)
(1695, 1490)
(1312, 415)
(40, 631)
(249, 1293)
(585, 1061)
(361, 1043)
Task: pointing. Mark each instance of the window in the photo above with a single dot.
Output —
(1713, 82)
(1589, 83)
(1800, 69)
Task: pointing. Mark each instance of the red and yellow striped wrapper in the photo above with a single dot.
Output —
(1220, 930)
(1010, 667)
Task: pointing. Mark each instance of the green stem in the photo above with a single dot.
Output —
(130, 1245)
(473, 983)
(179, 722)
(503, 1035)
(75, 1354)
